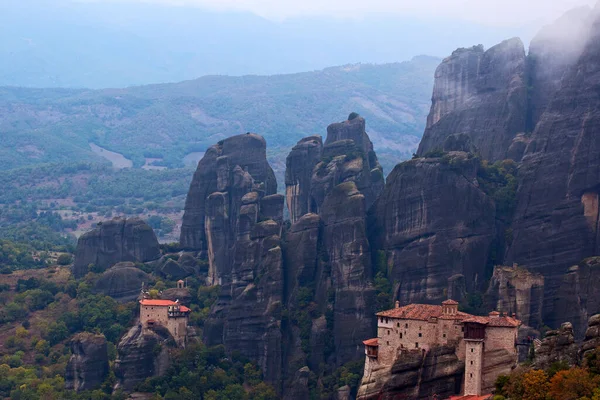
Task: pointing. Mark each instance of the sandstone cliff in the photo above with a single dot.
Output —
(88, 366)
(434, 222)
(234, 164)
(482, 94)
(419, 375)
(113, 241)
(556, 219)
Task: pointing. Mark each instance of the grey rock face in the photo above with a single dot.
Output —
(235, 165)
(482, 94)
(114, 241)
(299, 167)
(88, 366)
(515, 290)
(556, 219)
(122, 282)
(418, 375)
(137, 358)
(298, 388)
(433, 222)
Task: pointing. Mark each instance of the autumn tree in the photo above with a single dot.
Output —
(573, 384)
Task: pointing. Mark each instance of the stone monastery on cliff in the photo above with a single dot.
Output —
(168, 314)
(420, 327)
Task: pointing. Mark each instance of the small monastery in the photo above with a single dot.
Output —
(420, 327)
(168, 314)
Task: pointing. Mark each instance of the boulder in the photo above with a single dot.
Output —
(298, 388)
(114, 241)
(88, 366)
(123, 282)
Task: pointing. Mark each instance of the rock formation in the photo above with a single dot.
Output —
(327, 250)
(122, 282)
(298, 174)
(88, 366)
(557, 346)
(556, 219)
(114, 241)
(418, 375)
(427, 245)
(515, 290)
(234, 164)
(234, 218)
(138, 358)
(482, 94)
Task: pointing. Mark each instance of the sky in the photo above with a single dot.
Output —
(497, 13)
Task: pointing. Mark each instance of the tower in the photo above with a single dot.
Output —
(474, 347)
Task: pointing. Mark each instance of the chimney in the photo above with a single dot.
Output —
(514, 315)
(397, 304)
(494, 314)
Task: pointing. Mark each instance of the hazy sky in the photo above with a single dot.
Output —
(487, 12)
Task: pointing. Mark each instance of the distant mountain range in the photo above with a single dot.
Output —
(164, 125)
(77, 44)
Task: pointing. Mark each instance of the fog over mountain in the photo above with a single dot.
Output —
(115, 44)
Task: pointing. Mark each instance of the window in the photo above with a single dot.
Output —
(387, 320)
(471, 375)
(406, 325)
(388, 343)
(400, 335)
(471, 362)
(398, 325)
(444, 335)
(381, 320)
(471, 350)
(388, 331)
(420, 334)
(417, 345)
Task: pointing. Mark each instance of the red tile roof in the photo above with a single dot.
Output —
(371, 342)
(163, 303)
(495, 321)
(471, 397)
(450, 302)
(158, 303)
(422, 312)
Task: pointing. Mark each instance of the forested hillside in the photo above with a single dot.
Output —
(161, 125)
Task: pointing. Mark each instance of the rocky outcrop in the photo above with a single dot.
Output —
(556, 220)
(417, 375)
(591, 342)
(348, 253)
(113, 241)
(224, 175)
(299, 167)
(141, 354)
(425, 245)
(298, 387)
(482, 94)
(515, 290)
(234, 217)
(557, 346)
(348, 155)
(123, 282)
(88, 366)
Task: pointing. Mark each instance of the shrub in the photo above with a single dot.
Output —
(64, 259)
